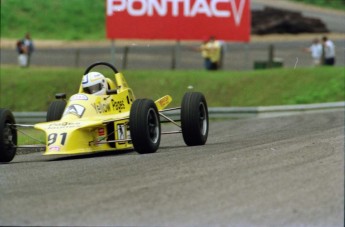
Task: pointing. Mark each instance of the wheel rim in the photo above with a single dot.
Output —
(153, 126)
(8, 136)
(203, 119)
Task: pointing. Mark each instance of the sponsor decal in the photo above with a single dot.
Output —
(96, 77)
(75, 109)
(121, 132)
(101, 131)
(178, 19)
(118, 105)
(163, 8)
(54, 148)
(108, 107)
(79, 97)
(164, 101)
(85, 79)
(101, 107)
(61, 125)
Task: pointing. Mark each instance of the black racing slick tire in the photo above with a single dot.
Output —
(55, 110)
(145, 126)
(194, 119)
(8, 136)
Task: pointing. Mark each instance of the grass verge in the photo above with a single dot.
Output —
(32, 89)
(333, 4)
(59, 19)
(29, 136)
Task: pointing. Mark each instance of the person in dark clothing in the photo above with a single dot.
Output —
(329, 51)
(28, 47)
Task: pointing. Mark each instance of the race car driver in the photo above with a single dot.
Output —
(94, 83)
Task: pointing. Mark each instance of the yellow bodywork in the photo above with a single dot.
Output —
(90, 121)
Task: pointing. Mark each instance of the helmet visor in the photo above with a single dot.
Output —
(93, 89)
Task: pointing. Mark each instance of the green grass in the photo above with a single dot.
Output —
(53, 19)
(335, 4)
(71, 19)
(24, 139)
(32, 89)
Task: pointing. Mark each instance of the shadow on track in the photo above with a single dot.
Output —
(91, 155)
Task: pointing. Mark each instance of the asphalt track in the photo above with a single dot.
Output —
(281, 171)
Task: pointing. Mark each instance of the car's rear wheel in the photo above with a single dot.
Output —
(194, 119)
(8, 136)
(145, 126)
(55, 110)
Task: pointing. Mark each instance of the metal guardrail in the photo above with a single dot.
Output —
(216, 112)
(29, 117)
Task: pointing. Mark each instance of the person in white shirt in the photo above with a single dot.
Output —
(316, 52)
(28, 46)
(329, 50)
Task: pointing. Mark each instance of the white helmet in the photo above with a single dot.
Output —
(94, 83)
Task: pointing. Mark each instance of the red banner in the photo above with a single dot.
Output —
(178, 19)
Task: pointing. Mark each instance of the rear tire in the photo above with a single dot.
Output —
(194, 119)
(145, 126)
(8, 136)
(55, 110)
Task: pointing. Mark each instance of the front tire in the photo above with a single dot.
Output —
(194, 119)
(145, 126)
(55, 110)
(8, 136)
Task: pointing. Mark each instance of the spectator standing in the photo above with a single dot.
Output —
(316, 52)
(205, 53)
(329, 51)
(214, 47)
(21, 50)
(28, 47)
(211, 51)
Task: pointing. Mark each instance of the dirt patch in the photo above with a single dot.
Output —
(277, 21)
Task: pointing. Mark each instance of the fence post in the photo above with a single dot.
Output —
(125, 56)
(173, 58)
(77, 57)
(323, 55)
(175, 55)
(270, 55)
(112, 51)
(247, 64)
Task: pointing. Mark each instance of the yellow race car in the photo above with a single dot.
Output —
(105, 116)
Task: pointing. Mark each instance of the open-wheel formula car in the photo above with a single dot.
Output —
(105, 116)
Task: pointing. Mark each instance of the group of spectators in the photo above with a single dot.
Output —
(212, 50)
(322, 52)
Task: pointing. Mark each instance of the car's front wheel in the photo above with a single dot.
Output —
(8, 136)
(145, 126)
(55, 110)
(194, 119)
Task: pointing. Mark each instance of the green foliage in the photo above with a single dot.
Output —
(53, 19)
(335, 4)
(32, 89)
(24, 139)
